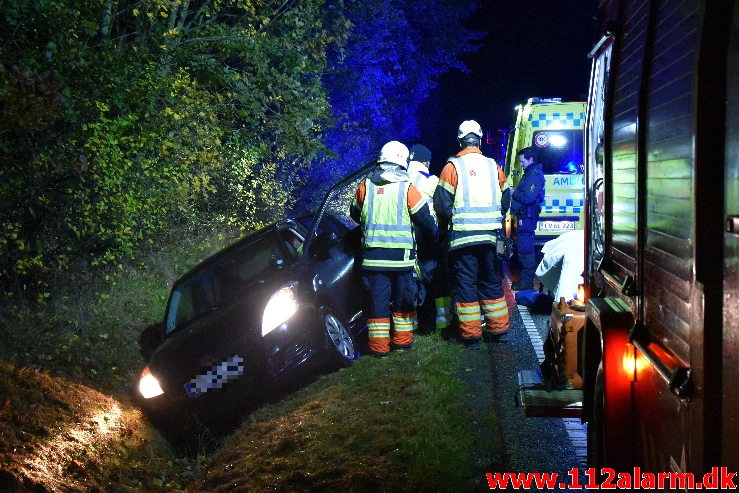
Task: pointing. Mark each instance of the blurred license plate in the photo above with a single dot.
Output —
(556, 226)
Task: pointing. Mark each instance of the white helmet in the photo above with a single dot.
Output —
(394, 152)
(469, 127)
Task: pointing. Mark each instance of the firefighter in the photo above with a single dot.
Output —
(526, 202)
(388, 207)
(468, 208)
(428, 263)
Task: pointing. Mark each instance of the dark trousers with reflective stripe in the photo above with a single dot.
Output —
(400, 288)
(476, 273)
(476, 280)
(385, 286)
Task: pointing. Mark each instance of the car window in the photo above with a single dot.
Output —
(336, 224)
(293, 242)
(218, 282)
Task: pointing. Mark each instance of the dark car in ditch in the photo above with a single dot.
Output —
(270, 309)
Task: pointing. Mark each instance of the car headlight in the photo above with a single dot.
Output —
(148, 384)
(280, 307)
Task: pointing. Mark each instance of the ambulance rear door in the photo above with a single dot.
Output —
(558, 134)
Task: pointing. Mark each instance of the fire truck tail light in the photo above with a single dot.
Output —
(632, 362)
(629, 361)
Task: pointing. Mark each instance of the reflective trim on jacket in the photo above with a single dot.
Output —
(476, 207)
(386, 222)
(424, 181)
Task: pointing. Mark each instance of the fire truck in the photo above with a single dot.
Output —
(556, 129)
(658, 328)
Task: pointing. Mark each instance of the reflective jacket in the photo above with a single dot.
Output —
(424, 181)
(467, 200)
(385, 220)
(388, 212)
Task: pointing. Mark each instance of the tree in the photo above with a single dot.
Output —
(122, 119)
(395, 54)
(125, 118)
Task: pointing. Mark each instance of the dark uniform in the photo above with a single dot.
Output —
(526, 202)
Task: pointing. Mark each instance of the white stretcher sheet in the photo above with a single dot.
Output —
(561, 269)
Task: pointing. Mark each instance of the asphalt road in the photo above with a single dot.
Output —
(533, 444)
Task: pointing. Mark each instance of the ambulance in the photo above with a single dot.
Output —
(556, 128)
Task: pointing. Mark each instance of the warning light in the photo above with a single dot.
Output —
(629, 361)
(632, 362)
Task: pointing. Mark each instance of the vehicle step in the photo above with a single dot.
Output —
(537, 401)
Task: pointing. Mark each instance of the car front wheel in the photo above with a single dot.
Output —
(339, 343)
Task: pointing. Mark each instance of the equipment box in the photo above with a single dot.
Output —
(555, 389)
(563, 346)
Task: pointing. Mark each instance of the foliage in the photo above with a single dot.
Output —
(397, 51)
(88, 329)
(130, 126)
(123, 118)
(115, 130)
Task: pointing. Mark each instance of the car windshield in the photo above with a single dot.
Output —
(217, 283)
(560, 151)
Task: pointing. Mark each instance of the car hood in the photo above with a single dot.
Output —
(228, 331)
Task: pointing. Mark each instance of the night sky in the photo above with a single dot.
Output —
(533, 48)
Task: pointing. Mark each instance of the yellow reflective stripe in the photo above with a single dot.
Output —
(468, 313)
(388, 239)
(443, 303)
(403, 324)
(497, 309)
(379, 329)
(418, 206)
(475, 227)
(476, 221)
(388, 263)
(446, 186)
(466, 240)
(443, 312)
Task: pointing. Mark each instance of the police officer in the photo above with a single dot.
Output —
(526, 202)
(388, 207)
(468, 207)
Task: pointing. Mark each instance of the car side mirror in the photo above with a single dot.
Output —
(150, 339)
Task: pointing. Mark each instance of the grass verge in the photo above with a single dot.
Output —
(394, 424)
(415, 421)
